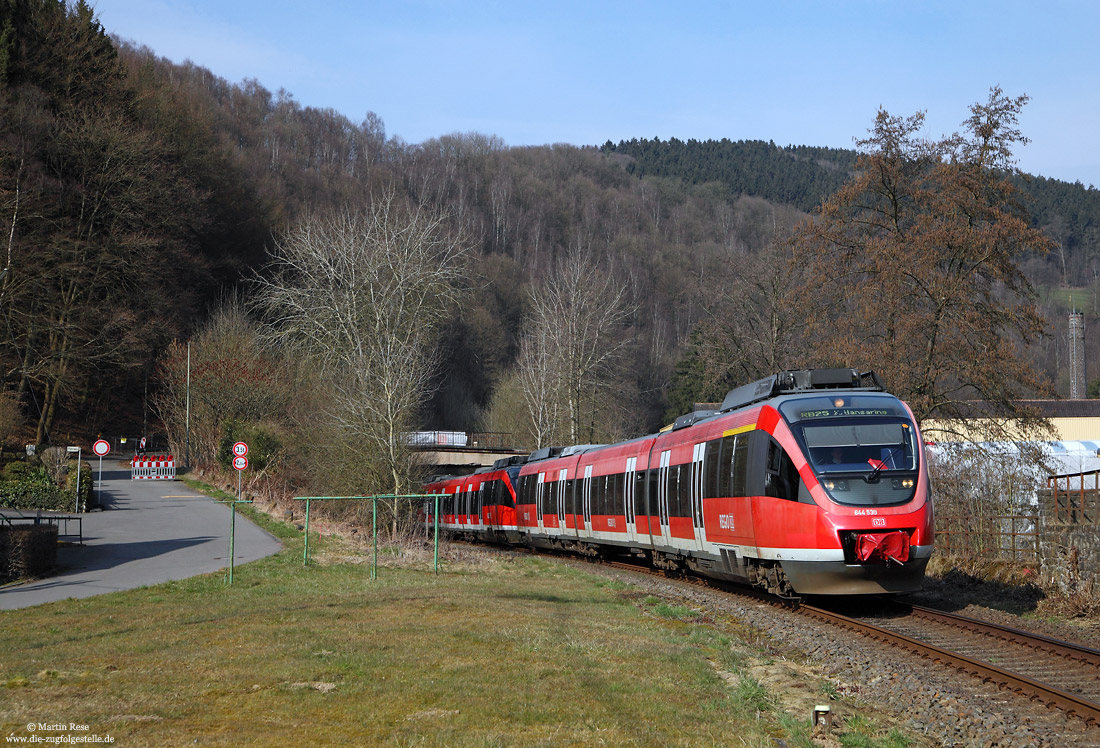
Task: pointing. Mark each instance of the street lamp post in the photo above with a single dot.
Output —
(76, 510)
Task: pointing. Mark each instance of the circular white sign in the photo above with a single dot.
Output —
(240, 449)
(240, 462)
(101, 447)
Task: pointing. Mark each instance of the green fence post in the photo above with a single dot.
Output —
(374, 532)
(305, 560)
(232, 533)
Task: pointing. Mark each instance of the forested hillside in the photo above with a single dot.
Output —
(804, 176)
(798, 175)
(144, 202)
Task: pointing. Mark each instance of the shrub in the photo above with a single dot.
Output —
(29, 485)
(27, 551)
(55, 461)
(264, 446)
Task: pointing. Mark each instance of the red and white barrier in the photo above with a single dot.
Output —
(155, 467)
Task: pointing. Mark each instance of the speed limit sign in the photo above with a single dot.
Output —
(240, 462)
(240, 449)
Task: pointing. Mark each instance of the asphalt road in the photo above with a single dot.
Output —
(150, 531)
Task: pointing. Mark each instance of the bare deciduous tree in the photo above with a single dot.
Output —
(362, 294)
(573, 340)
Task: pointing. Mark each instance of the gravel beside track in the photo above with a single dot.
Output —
(944, 706)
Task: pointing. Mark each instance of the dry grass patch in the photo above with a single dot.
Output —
(493, 651)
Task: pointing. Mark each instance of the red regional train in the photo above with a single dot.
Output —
(808, 482)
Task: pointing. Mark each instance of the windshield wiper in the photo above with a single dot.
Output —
(873, 477)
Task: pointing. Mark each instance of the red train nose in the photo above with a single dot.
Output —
(880, 547)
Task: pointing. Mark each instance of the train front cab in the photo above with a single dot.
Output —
(859, 458)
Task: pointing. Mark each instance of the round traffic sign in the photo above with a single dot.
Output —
(101, 447)
(240, 462)
(240, 449)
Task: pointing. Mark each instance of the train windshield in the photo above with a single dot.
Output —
(863, 446)
(859, 445)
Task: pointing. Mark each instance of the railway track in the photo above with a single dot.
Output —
(1060, 674)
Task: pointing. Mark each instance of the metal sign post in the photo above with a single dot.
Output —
(101, 448)
(76, 509)
(240, 463)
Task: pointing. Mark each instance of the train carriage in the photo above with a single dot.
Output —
(482, 504)
(807, 482)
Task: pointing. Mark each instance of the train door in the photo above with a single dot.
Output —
(662, 497)
(586, 497)
(476, 500)
(540, 500)
(629, 497)
(559, 494)
(697, 479)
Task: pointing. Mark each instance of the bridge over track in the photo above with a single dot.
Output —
(461, 451)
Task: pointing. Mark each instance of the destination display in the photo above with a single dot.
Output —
(845, 412)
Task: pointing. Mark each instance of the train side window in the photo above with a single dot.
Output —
(640, 503)
(782, 479)
(729, 446)
(775, 478)
(711, 460)
(651, 498)
(684, 508)
(739, 468)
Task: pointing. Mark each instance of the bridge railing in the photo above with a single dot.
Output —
(460, 439)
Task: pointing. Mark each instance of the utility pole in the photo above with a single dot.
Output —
(187, 414)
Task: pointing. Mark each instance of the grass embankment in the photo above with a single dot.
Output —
(490, 652)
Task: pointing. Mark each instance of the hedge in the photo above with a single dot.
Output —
(28, 486)
(27, 551)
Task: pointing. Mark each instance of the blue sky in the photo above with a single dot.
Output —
(793, 71)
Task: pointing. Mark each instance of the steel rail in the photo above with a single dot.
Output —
(1087, 710)
(1007, 633)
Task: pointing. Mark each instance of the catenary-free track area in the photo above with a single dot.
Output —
(148, 532)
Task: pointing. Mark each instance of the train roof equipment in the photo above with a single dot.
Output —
(805, 380)
(544, 453)
(690, 419)
(577, 449)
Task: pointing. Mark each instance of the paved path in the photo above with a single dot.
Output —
(150, 531)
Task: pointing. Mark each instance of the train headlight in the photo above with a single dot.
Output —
(902, 483)
(836, 485)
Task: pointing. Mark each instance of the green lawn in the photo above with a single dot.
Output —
(490, 652)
